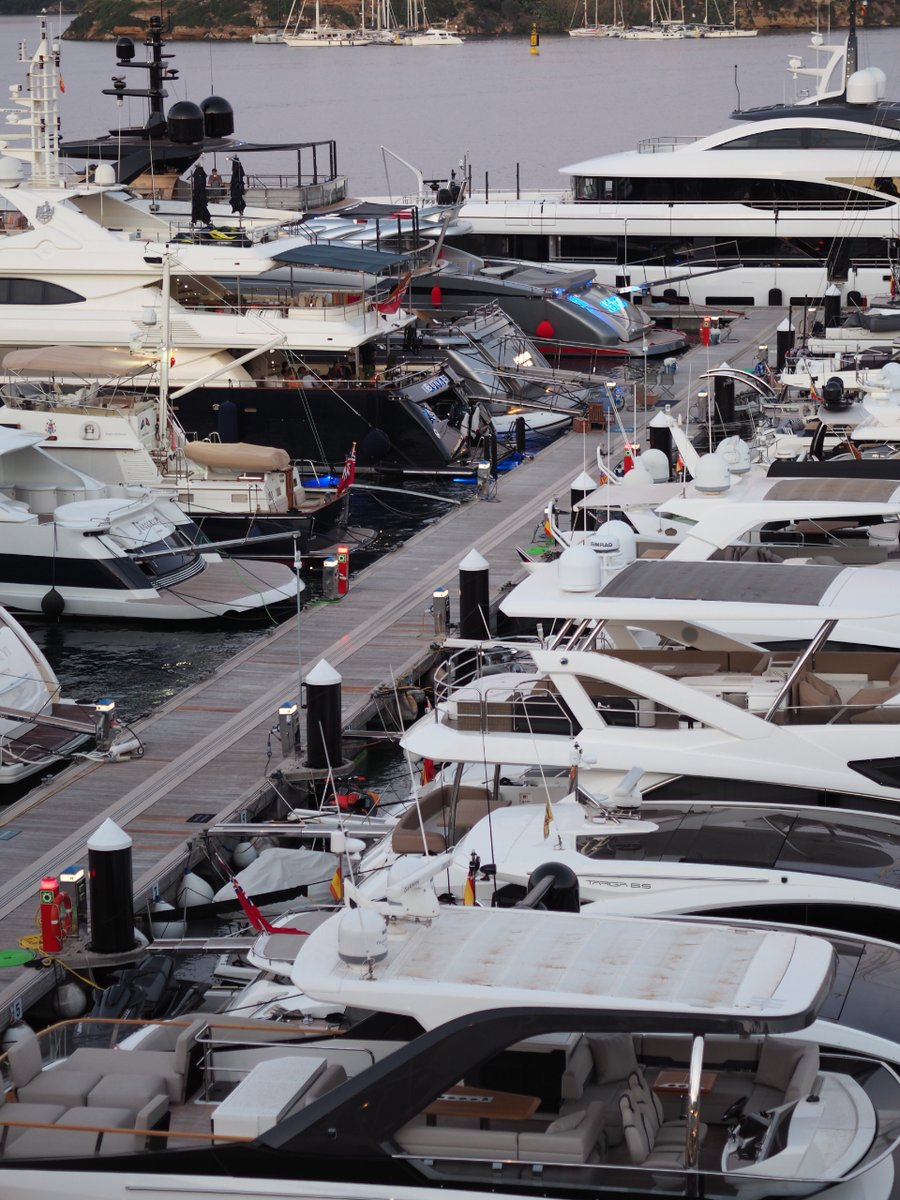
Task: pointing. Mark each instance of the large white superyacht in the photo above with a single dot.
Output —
(798, 197)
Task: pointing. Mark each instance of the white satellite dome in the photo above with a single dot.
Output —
(580, 570)
(655, 464)
(862, 87)
(615, 543)
(712, 475)
(105, 174)
(12, 172)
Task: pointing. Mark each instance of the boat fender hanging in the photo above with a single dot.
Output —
(52, 604)
(436, 296)
(545, 330)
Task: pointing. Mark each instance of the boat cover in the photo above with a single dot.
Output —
(278, 870)
(346, 258)
(237, 456)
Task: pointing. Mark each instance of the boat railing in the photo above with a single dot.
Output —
(665, 144)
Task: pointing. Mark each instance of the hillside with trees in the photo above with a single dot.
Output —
(225, 19)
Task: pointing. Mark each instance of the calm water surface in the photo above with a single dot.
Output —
(579, 97)
(490, 99)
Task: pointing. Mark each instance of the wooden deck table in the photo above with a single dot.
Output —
(484, 1104)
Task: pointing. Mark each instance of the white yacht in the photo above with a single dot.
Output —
(525, 1052)
(91, 255)
(603, 695)
(795, 198)
(100, 412)
(74, 545)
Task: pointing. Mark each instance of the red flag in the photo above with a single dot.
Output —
(427, 770)
(469, 889)
(255, 917)
(62, 86)
(391, 304)
(349, 472)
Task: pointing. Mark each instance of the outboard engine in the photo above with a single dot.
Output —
(834, 398)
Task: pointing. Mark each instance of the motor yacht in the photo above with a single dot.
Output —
(551, 1024)
(100, 412)
(763, 206)
(73, 545)
(602, 693)
(93, 255)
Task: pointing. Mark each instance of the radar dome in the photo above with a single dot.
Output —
(185, 122)
(579, 570)
(637, 476)
(218, 116)
(615, 542)
(736, 453)
(124, 49)
(362, 936)
(105, 174)
(656, 465)
(11, 171)
(862, 87)
(711, 475)
(890, 372)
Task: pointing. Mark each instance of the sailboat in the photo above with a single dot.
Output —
(662, 27)
(594, 29)
(721, 28)
(319, 35)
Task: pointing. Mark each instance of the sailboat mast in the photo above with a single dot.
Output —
(165, 351)
(851, 58)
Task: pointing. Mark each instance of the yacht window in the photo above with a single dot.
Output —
(35, 291)
(676, 519)
(13, 221)
(785, 193)
(799, 137)
(884, 771)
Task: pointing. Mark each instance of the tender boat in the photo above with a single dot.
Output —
(38, 726)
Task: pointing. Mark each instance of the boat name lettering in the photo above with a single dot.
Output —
(621, 883)
(436, 385)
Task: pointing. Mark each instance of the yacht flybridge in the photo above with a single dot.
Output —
(604, 694)
(800, 197)
(506, 1050)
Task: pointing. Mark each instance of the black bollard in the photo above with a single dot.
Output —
(323, 717)
(784, 341)
(474, 598)
(520, 435)
(579, 489)
(831, 307)
(659, 435)
(110, 890)
(724, 396)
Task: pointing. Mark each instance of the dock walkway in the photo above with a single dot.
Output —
(207, 751)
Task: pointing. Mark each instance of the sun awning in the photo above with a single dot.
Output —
(77, 360)
(340, 257)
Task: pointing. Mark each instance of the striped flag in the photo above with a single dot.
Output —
(337, 883)
(469, 889)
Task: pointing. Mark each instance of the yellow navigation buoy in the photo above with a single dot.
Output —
(535, 40)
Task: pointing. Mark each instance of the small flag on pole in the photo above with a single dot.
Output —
(62, 86)
(337, 883)
(427, 770)
(469, 889)
(349, 472)
(548, 817)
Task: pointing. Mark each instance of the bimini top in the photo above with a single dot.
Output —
(469, 960)
(647, 592)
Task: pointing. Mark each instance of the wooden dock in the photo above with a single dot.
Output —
(208, 750)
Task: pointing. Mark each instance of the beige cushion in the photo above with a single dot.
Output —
(61, 1085)
(575, 1138)
(614, 1056)
(567, 1123)
(72, 1143)
(818, 701)
(579, 1069)
(24, 1059)
(130, 1062)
